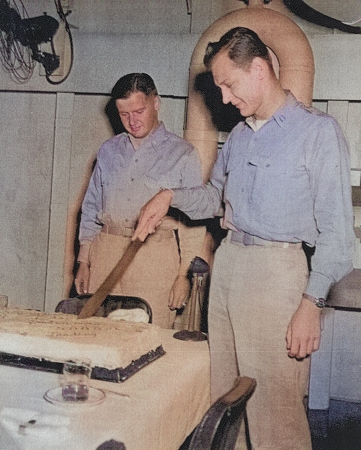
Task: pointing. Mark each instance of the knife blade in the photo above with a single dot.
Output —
(96, 300)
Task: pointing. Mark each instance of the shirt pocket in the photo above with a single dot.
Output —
(280, 192)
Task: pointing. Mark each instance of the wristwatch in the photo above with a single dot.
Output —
(319, 302)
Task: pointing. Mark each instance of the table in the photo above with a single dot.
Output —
(158, 406)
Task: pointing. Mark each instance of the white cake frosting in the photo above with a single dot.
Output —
(111, 344)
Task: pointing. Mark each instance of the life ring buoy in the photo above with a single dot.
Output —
(296, 70)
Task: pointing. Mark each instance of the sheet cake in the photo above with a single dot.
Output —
(116, 348)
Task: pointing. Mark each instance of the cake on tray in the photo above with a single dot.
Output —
(116, 348)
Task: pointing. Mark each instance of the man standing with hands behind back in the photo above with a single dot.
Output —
(131, 167)
(283, 177)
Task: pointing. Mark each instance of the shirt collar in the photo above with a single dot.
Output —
(159, 131)
(254, 123)
(155, 136)
(281, 115)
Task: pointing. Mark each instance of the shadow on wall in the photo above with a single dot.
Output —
(113, 117)
(224, 117)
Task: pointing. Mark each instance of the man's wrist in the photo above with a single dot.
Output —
(319, 302)
(168, 191)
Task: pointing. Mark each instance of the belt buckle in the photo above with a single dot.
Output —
(128, 231)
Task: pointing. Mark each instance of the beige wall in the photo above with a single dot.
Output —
(49, 135)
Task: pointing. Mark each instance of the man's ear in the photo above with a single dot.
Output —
(157, 102)
(259, 67)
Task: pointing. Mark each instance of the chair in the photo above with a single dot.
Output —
(110, 304)
(220, 426)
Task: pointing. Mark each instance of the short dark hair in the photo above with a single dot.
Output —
(242, 44)
(134, 82)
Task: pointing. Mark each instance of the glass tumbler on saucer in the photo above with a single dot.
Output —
(76, 373)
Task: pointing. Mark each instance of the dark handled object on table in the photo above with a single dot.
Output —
(200, 269)
(94, 303)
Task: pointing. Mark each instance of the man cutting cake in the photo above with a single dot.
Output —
(283, 177)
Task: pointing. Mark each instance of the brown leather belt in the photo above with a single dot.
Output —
(241, 237)
(120, 230)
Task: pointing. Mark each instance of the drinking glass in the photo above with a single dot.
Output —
(76, 374)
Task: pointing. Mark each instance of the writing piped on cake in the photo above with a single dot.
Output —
(130, 315)
(110, 344)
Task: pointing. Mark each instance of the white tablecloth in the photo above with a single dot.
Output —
(159, 406)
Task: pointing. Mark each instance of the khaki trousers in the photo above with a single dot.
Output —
(254, 293)
(150, 275)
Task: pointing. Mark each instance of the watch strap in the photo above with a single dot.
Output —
(319, 302)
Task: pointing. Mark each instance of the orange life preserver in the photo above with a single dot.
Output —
(296, 70)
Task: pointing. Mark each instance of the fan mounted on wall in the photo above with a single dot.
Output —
(22, 36)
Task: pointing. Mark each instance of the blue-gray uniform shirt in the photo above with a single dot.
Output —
(123, 179)
(289, 181)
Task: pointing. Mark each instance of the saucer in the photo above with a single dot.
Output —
(55, 396)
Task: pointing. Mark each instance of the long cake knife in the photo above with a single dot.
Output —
(96, 300)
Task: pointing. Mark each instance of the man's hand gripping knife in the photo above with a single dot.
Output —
(152, 214)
